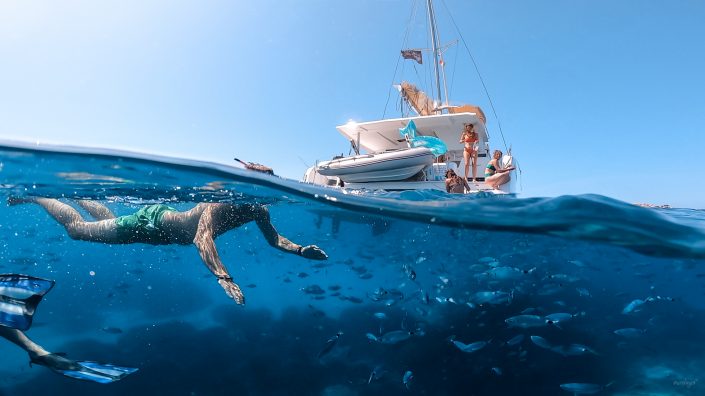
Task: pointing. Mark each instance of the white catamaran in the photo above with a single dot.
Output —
(404, 153)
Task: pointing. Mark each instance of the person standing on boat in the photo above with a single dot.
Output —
(455, 184)
(495, 175)
(470, 140)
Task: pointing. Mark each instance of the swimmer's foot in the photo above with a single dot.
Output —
(83, 370)
(12, 201)
(54, 361)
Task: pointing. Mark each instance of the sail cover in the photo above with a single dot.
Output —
(423, 105)
(417, 99)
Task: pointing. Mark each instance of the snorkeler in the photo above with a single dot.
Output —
(19, 297)
(163, 225)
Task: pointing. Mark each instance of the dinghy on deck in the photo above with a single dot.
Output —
(386, 166)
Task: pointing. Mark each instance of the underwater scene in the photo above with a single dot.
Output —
(177, 277)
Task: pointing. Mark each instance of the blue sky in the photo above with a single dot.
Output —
(595, 96)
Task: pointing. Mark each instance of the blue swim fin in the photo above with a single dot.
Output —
(101, 373)
(19, 297)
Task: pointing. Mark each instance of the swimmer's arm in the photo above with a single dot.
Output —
(271, 235)
(280, 242)
(206, 248)
(507, 169)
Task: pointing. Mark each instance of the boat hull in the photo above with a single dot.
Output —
(388, 166)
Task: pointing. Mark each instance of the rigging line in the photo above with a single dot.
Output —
(399, 59)
(389, 91)
(304, 162)
(477, 69)
(416, 70)
(452, 76)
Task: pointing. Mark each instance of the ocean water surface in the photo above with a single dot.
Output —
(431, 294)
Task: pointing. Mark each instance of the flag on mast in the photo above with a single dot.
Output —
(412, 54)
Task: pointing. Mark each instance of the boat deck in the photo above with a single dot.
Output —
(419, 185)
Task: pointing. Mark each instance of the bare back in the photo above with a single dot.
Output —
(181, 227)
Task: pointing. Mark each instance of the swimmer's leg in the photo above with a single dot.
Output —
(96, 209)
(77, 228)
(20, 339)
(89, 371)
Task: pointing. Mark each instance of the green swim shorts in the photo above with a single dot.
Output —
(143, 225)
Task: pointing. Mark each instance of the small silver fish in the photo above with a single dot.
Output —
(574, 350)
(112, 330)
(330, 344)
(492, 297)
(394, 337)
(409, 271)
(630, 332)
(525, 321)
(378, 294)
(541, 342)
(582, 388)
(408, 377)
(515, 340)
(635, 305)
(376, 374)
(560, 317)
(470, 348)
(562, 278)
(507, 273)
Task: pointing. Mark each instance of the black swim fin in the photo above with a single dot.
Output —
(19, 297)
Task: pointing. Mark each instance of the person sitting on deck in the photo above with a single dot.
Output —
(162, 225)
(455, 184)
(495, 175)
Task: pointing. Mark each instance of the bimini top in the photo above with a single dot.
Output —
(383, 135)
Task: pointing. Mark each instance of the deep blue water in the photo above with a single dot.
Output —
(159, 309)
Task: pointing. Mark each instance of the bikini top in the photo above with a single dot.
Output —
(469, 139)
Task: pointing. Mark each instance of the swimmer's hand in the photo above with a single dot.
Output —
(313, 252)
(232, 289)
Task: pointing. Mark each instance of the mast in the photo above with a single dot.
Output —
(434, 44)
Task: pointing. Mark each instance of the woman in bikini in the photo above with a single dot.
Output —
(470, 140)
(495, 175)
